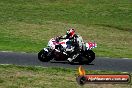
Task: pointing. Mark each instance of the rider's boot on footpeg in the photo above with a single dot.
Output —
(70, 59)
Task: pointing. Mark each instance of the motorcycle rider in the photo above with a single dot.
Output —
(70, 34)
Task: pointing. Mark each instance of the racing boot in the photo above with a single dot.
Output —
(70, 59)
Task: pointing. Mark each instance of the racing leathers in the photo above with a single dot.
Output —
(72, 44)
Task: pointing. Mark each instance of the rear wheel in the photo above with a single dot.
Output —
(89, 55)
(42, 56)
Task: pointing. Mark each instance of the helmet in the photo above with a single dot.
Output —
(70, 32)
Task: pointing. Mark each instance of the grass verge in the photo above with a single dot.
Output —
(12, 76)
(28, 25)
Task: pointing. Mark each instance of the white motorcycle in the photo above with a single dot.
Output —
(60, 51)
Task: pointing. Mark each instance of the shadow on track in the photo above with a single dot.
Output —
(65, 62)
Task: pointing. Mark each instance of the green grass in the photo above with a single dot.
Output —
(27, 25)
(12, 76)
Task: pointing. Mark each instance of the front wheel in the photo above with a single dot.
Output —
(42, 56)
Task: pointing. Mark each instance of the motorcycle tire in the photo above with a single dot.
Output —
(42, 56)
(89, 55)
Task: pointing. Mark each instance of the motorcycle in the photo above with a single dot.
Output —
(59, 51)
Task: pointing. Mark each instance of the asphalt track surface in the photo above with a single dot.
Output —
(30, 59)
